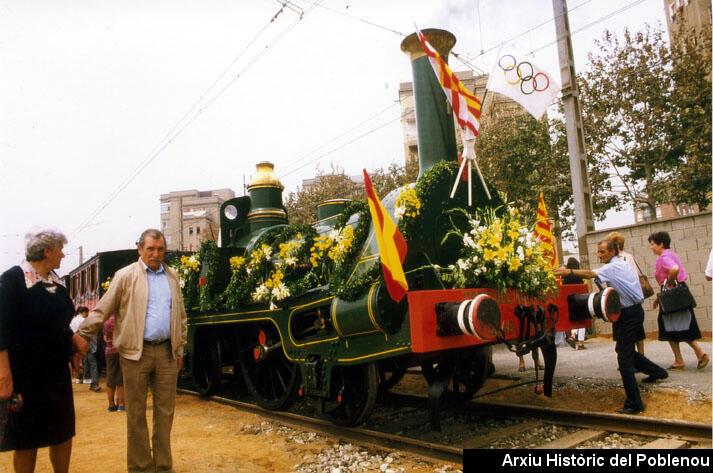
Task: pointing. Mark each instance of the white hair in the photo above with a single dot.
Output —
(36, 242)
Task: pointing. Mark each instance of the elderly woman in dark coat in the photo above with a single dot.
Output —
(35, 347)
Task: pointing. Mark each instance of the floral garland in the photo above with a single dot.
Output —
(187, 268)
(297, 260)
(500, 252)
(288, 261)
(339, 284)
(261, 278)
(208, 254)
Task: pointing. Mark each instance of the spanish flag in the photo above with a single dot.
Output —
(543, 233)
(392, 245)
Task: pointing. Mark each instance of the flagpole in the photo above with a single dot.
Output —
(460, 171)
(470, 186)
(482, 181)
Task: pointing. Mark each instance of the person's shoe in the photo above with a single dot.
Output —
(703, 362)
(652, 378)
(572, 343)
(87, 381)
(76, 380)
(522, 369)
(96, 389)
(121, 408)
(678, 368)
(111, 408)
(629, 411)
(581, 347)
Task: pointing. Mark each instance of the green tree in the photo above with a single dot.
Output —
(638, 126)
(523, 157)
(690, 129)
(302, 204)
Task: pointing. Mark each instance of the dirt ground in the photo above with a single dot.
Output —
(660, 403)
(210, 437)
(206, 438)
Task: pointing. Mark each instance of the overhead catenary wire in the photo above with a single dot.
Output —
(466, 60)
(589, 25)
(184, 121)
(290, 5)
(353, 140)
(286, 169)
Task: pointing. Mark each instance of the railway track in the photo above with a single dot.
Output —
(400, 423)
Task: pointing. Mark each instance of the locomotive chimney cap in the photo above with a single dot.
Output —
(265, 176)
(441, 40)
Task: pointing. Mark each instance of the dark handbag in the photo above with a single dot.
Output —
(676, 299)
(644, 282)
(6, 407)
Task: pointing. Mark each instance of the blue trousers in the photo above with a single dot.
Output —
(631, 361)
(90, 364)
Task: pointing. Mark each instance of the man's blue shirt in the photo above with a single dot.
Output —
(158, 309)
(618, 274)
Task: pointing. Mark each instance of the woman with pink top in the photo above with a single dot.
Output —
(668, 271)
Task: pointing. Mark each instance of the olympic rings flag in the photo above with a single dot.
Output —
(524, 82)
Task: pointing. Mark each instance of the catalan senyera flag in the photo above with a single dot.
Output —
(392, 245)
(543, 233)
(466, 106)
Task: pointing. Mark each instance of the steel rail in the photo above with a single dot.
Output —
(363, 437)
(640, 425)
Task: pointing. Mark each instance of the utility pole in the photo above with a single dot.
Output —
(584, 217)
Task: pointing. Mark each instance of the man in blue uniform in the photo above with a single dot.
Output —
(618, 274)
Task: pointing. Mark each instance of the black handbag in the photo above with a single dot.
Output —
(676, 299)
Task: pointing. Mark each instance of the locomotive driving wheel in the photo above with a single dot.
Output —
(355, 388)
(207, 368)
(270, 377)
(466, 373)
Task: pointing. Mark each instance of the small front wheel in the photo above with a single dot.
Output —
(354, 389)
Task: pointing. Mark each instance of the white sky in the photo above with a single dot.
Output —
(90, 88)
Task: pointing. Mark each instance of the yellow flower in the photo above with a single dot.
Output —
(502, 254)
(514, 263)
(236, 262)
(407, 203)
(494, 240)
(489, 254)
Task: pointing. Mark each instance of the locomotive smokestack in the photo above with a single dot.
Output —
(265, 191)
(434, 116)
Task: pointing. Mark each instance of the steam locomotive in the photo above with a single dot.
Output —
(271, 304)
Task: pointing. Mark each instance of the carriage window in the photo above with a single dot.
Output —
(82, 282)
(73, 286)
(93, 278)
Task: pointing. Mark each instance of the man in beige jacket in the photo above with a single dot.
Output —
(150, 334)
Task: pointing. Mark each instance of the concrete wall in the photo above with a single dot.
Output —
(690, 239)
